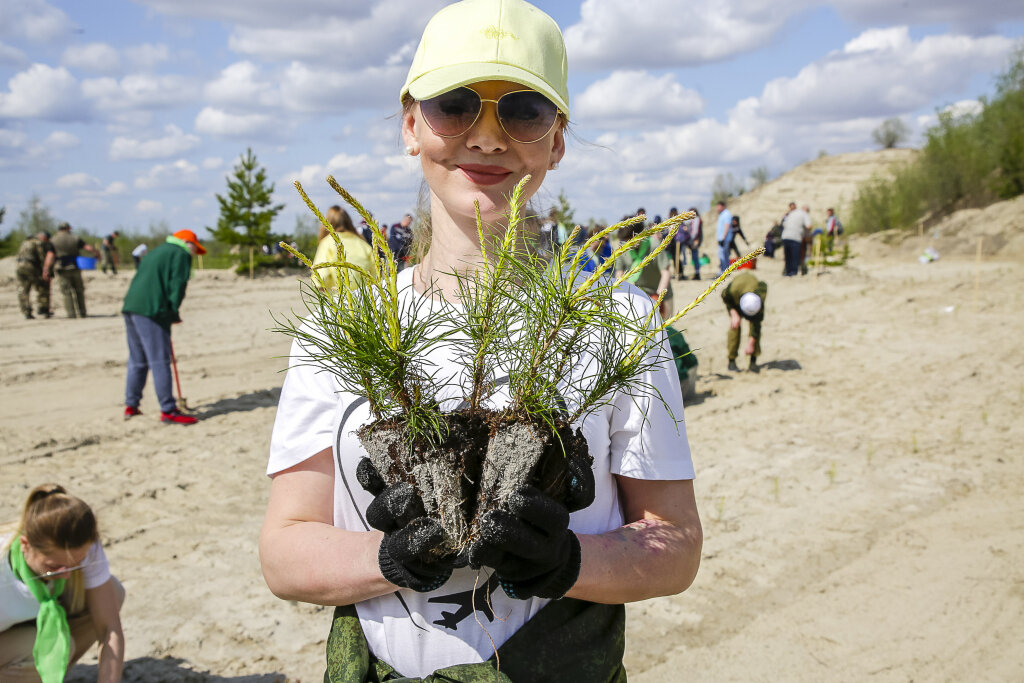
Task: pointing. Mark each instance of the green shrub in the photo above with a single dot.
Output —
(967, 161)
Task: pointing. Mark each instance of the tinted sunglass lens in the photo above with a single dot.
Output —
(527, 116)
(451, 113)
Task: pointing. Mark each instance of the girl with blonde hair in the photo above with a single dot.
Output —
(57, 596)
(357, 251)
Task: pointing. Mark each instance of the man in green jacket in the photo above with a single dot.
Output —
(150, 308)
(744, 298)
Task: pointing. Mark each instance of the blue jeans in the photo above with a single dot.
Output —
(694, 257)
(149, 349)
(791, 250)
(723, 251)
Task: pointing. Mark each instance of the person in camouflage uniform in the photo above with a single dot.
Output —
(67, 247)
(744, 299)
(35, 261)
(108, 249)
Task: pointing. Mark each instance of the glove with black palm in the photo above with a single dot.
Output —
(413, 553)
(528, 543)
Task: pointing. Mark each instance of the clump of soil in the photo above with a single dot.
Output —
(484, 458)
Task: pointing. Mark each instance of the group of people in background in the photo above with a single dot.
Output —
(44, 257)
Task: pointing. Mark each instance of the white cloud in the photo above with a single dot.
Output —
(979, 13)
(964, 108)
(116, 187)
(957, 110)
(240, 85)
(258, 12)
(145, 56)
(12, 138)
(95, 57)
(217, 122)
(211, 163)
(347, 168)
(148, 206)
(33, 20)
(43, 92)
(174, 142)
(78, 181)
(883, 72)
(629, 98)
(140, 91)
(61, 139)
(616, 34)
(313, 89)
(175, 176)
(11, 56)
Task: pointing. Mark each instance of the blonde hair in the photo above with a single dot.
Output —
(339, 220)
(53, 519)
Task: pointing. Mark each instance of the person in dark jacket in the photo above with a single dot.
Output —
(150, 308)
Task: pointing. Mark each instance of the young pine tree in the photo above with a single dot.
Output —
(247, 212)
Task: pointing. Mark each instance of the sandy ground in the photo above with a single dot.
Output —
(861, 495)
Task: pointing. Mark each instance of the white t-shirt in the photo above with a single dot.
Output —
(418, 633)
(17, 604)
(795, 225)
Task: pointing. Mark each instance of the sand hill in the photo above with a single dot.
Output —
(826, 182)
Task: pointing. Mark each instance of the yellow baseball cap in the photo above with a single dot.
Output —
(490, 40)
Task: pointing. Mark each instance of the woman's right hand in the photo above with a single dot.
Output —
(413, 553)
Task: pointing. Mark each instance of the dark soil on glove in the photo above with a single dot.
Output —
(484, 458)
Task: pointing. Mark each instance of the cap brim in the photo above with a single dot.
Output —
(200, 249)
(447, 78)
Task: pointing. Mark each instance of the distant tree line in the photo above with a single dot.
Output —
(968, 160)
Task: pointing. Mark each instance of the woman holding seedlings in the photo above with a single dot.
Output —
(57, 597)
(539, 593)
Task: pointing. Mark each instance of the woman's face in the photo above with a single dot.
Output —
(53, 563)
(483, 164)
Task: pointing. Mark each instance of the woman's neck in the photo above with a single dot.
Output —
(454, 248)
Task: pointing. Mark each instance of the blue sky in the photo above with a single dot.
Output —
(122, 114)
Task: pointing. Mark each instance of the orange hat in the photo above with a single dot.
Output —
(190, 236)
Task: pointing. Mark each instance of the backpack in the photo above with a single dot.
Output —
(839, 226)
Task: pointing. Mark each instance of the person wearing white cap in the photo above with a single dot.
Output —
(744, 299)
(485, 104)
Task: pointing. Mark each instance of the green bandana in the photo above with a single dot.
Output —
(53, 637)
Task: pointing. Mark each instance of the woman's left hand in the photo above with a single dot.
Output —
(529, 545)
(528, 542)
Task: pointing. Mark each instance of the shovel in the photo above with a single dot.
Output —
(182, 403)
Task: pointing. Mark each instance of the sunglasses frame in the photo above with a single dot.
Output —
(558, 112)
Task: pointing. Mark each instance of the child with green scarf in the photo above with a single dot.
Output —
(57, 596)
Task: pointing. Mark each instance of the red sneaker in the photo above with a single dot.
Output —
(130, 412)
(177, 417)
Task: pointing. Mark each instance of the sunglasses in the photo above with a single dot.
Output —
(525, 115)
(59, 572)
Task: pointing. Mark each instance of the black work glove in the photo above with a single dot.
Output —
(528, 542)
(412, 553)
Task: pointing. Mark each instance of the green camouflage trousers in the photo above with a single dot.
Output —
(568, 640)
(29, 279)
(73, 289)
(733, 342)
(107, 261)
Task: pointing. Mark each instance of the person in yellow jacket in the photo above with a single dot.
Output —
(357, 251)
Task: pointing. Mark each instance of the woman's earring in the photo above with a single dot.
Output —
(409, 151)
(554, 165)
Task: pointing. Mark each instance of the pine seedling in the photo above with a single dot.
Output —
(371, 339)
